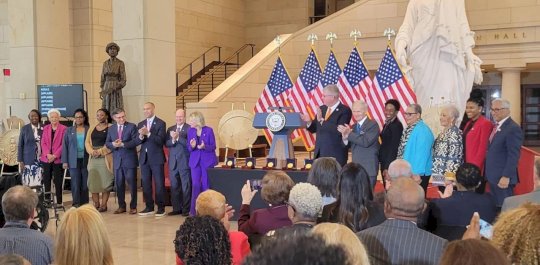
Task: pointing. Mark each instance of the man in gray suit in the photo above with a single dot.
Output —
(398, 240)
(363, 138)
(534, 196)
(179, 171)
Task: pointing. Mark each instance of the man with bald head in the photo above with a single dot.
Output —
(398, 240)
(179, 171)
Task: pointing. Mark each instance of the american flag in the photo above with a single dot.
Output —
(390, 83)
(354, 83)
(331, 74)
(300, 95)
(274, 93)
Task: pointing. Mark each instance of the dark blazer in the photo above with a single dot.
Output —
(48, 144)
(457, 210)
(401, 242)
(365, 146)
(476, 141)
(153, 145)
(375, 215)
(124, 156)
(205, 157)
(178, 151)
(329, 142)
(503, 153)
(390, 137)
(69, 147)
(262, 220)
(27, 148)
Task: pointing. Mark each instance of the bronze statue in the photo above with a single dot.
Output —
(113, 79)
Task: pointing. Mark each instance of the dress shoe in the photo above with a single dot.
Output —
(174, 213)
(146, 212)
(120, 210)
(133, 211)
(185, 214)
(160, 213)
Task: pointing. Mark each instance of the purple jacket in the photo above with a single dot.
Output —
(206, 157)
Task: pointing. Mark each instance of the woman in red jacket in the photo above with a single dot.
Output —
(476, 132)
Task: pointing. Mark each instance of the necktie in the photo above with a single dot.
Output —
(120, 130)
(178, 129)
(493, 131)
(328, 113)
(358, 127)
(148, 124)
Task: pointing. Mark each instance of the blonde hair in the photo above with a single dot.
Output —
(340, 235)
(517, 234)
(82, 238)
(211, 203)
(197, 118)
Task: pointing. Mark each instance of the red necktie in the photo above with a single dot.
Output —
(120, 132)
(493, 132)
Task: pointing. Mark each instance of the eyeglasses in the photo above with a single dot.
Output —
(497, 110)
(410, 113)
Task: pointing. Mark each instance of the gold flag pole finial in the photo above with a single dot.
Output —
(277, 40)
(312, 37)
(355, 34)
(331, 36)
(389, 33)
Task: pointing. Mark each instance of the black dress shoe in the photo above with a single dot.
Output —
(185, 214)
(174, 213)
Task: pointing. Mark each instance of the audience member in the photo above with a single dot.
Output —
(16, 237)
(340, 235)
(324, 174)
(29, 150)
(75, 158)
(503, 152)
(416, 144)
(276, 186)
(202, 240)
(355, 207)
(82, 238)
(449, 216)
(390, 137)
(51, 153)
(202, 146)
(397, 169)
(100, 177)
(517, 234)
(398, 240)
(304, 207)
(212, 203)
(473, 252)
(448, 147)
(13, 259)
(298, 250)
(534, 196)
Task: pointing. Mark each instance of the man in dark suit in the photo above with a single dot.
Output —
(122, 140)
(390, 137)
(152, 136)
(503, 152)
(179, 171)
(398, 240)
(329, 116)
(363, 138)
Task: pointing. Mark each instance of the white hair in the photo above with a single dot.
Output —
(332, 89)
(51, 111)
(400, 168)
(504, 102)
(452, 110)
(306, 200)
(360, 103)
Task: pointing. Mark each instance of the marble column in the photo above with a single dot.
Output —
(145, 32)
(511, 90)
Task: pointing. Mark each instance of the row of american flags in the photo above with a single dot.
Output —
(354, 83)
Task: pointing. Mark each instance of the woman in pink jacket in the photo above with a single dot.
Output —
(51, 152)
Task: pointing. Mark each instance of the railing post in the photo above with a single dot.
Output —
(191, 73)
(204, 61)
(212, 81)
(198, 92)
(252, 50)
(219, 54)
(238, 59)
(225, 71)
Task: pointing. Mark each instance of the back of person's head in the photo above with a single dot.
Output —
(354, 195)
(469, 176)
(338, 234)
(400, 168)
(472, 252)
(324, 174)
(276, 186)
(203, 240)
(13, 259)
(306, 201)
(299, 249)
(82, 238)
(404, 199)
(19, 203)
(211, 203)
(517, 234)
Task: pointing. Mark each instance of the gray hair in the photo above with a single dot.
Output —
(117, 111)
(417, 108)
(332, 89)
(18, 203)
(12, 259)
(405, 197)
(198, 118)
(360, 103)
(306, 200)
(400, 168)
(51, 111)
(452, 109)
(504, 102)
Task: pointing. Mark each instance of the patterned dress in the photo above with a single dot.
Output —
(448, 151)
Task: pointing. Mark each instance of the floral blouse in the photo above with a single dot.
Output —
(448, 151)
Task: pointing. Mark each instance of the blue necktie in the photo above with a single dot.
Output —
(358, 127)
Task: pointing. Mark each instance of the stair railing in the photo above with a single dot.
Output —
(183, 80)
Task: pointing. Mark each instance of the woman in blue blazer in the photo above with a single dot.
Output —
(29, 150)
(75, 158)
(202, 148)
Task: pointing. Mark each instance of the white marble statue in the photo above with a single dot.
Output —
(434, 47)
